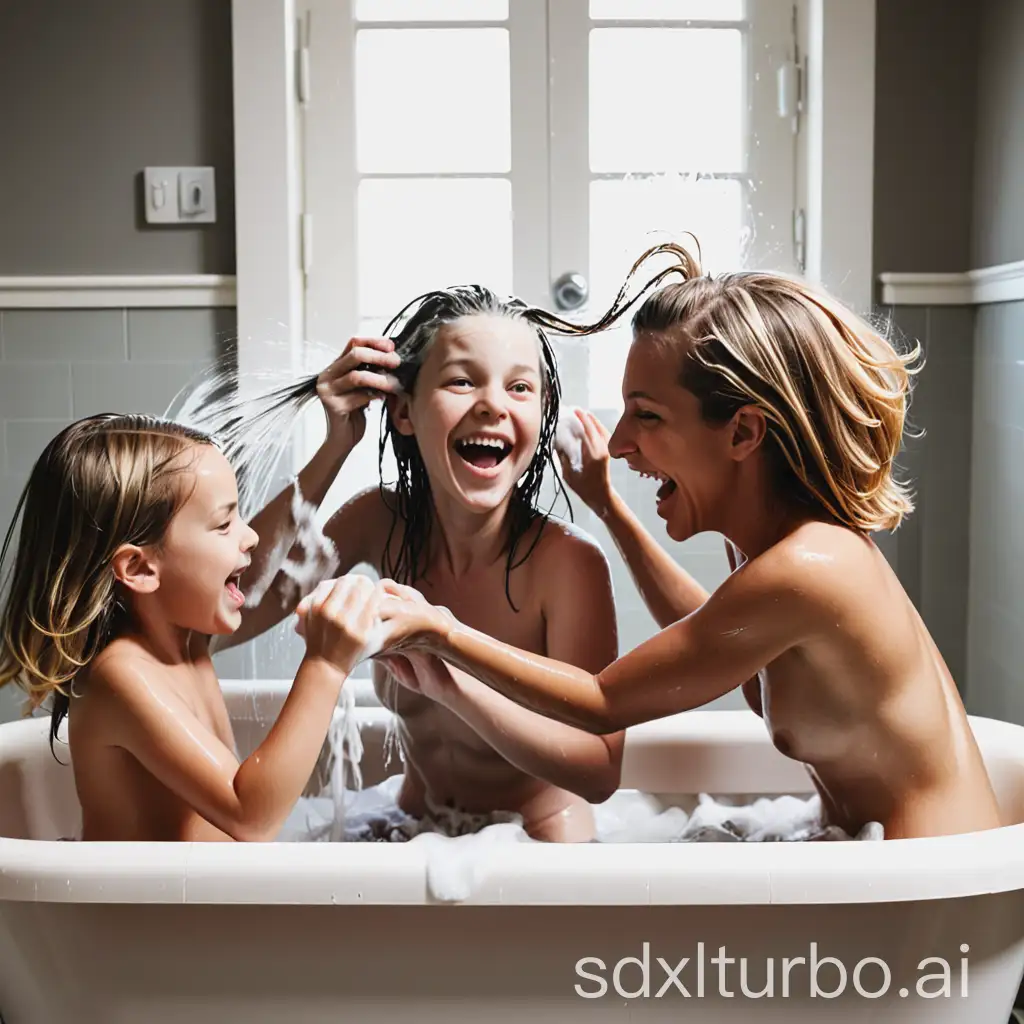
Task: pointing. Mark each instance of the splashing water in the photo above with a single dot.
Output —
(254, 430)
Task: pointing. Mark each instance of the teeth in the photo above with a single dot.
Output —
(489, 442)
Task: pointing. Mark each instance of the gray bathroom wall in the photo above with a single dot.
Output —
(925, 113)
(59, 365)
(998, 214)
(996, 587)
(933, 551)
(925, 74)
(92, 92)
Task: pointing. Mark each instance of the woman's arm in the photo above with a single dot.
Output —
(756, 615)
(581, 630)
(669, 592)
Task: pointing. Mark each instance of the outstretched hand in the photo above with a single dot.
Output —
(409, 619)
(590, 477)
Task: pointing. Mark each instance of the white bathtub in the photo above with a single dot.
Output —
(304, 933)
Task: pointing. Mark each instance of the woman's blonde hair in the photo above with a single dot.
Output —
(102, 482)
(833, 390)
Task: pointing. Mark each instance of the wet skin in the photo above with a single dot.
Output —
(812, 624)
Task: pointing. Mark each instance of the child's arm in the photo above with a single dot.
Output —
(581, 630)
(345, 388)
(249, 801)
(353, 530)
(669, 592)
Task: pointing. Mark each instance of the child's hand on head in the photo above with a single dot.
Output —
(338, 620)
(363, 371)
(582, 446)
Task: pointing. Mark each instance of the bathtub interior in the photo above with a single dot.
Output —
(724, 753)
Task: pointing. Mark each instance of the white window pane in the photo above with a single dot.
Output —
(666, 100)
(432, 10)
(627, 218)
(433, 100)
(668, 10)
(418, 235)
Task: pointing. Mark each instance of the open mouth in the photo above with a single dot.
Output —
(483, 452)
(231, 586)
(668, 485)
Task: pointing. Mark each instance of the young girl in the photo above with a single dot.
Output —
(130, 554)
(472, 393)
(772, 415)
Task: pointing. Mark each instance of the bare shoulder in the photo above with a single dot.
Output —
(362, 524)
(123, 670)
(818, 568)
(565, 544)
(567, 558)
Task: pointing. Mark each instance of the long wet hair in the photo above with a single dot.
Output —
(102, 482)
(414, 329)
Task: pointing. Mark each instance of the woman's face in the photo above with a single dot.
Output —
(476, 409)
(661, 433)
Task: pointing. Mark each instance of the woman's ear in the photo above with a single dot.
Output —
(399, 410)
(135, 569)
(747, 432)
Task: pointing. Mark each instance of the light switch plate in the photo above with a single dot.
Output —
(179, 195)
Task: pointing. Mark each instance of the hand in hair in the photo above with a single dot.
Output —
(590, 477)
(359, 375)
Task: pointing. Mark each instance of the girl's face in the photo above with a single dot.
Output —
(205, 549)
(476, 409)
(662, 434)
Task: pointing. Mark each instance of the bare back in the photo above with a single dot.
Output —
(869, 705)
(121, 800)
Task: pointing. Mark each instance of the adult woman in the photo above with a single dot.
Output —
(772, 415)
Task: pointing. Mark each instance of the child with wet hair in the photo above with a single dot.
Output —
(130, 553)
(772, 415)
(472, 402)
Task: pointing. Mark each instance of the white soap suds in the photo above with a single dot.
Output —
(457, 843)
(317, 561)
(569, 435)
(377, 635)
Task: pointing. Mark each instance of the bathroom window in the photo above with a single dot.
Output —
(512, 142)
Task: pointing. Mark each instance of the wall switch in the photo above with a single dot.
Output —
(179, 195)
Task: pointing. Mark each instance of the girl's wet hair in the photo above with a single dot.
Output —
(834, 390)
(413, 330)
(103, 482)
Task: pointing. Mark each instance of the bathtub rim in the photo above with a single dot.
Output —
(944, 867)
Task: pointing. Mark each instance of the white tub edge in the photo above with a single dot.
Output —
(531, 874)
